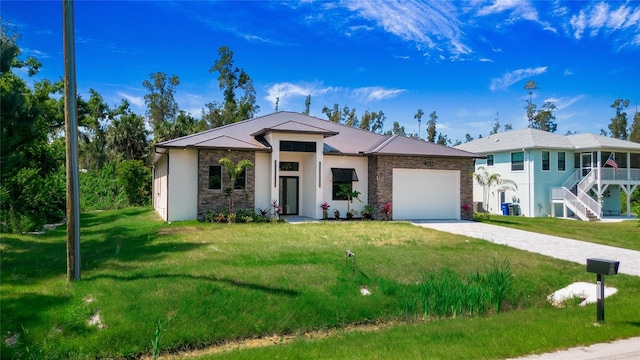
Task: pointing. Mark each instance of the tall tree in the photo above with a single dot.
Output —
(349, 117)
(334, 114)
(496, 125)
(162, 108)
(531, 107)
(377, 121)
(618, 126)
(431, 127)
(31, 157)
(443, 140)
(237, 88)
(634, 133)
(542, 119)
(127, 134)
(467, 138)
(397, 129)
(307, 104)
(418, 116)
(93, 142)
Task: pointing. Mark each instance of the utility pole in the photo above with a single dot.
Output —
(71, 133)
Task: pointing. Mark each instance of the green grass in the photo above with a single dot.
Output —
(189, 285)
(625, 234)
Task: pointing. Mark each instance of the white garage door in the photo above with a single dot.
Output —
(426, 194)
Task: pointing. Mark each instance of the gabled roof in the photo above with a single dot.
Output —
(593, 141)
(401, 145)
(338, 139)
(538, 139)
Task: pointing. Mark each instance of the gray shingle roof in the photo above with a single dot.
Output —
(339, 138)
(537, 139)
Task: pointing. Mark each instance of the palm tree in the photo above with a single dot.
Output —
(233, 170)
(488, 181)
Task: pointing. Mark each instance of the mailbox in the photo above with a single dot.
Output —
(602, 266)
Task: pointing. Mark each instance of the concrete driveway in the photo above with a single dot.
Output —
(554, 246)
(560, 248)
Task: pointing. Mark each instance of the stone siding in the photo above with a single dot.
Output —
(381, 178)
(215, 199)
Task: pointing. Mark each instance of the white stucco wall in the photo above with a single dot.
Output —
(262, 171)
(310, 189)
(160, 186)
(183, 185)
(361, 165)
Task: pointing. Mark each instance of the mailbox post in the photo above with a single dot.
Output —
(601, 267)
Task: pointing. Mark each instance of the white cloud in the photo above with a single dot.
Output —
(517, 10)
(35, 53)
(513, 77)
(579, 23)
(137, 101)
(601, 18)
(425, 23)
(286, 91)
(563, 103)
(375, 93)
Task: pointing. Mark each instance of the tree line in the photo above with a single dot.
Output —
(116, 144)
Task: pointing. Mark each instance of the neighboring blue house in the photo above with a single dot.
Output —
(558, 175)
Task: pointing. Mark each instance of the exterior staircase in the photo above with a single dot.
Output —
(578, 199)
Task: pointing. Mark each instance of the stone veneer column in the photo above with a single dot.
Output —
(215, 199)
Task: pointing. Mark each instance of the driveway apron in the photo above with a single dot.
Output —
(554, 246)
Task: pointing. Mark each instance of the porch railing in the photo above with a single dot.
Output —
(575, 204)
(583, 193)
(573, 179)
(621, 174)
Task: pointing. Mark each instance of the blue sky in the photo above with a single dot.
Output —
(465, 60)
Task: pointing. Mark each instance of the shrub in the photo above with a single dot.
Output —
(135, 181)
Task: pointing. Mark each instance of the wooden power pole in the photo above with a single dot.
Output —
(71, 133)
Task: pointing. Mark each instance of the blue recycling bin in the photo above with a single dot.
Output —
(505, 208)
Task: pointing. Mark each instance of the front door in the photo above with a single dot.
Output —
(587, 163)
(289, 195)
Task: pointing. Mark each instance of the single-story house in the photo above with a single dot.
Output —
(580, 175)
(300, 162)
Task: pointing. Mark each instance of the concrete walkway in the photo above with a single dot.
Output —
(557, 247)
(560, 248)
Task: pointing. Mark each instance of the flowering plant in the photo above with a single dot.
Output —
(276, 208)
(386, 210)
(325, 206)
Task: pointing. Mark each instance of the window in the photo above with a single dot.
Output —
(342, 177)
(576, 160)
(490, 160)
(545, 161)
(241, 180)
(517, 161)
(337, 190)
(215, 177)
(289, 166)
(298, 146)
(561, 161)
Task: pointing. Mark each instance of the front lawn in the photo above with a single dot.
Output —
(625, 234)
(191, 285)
